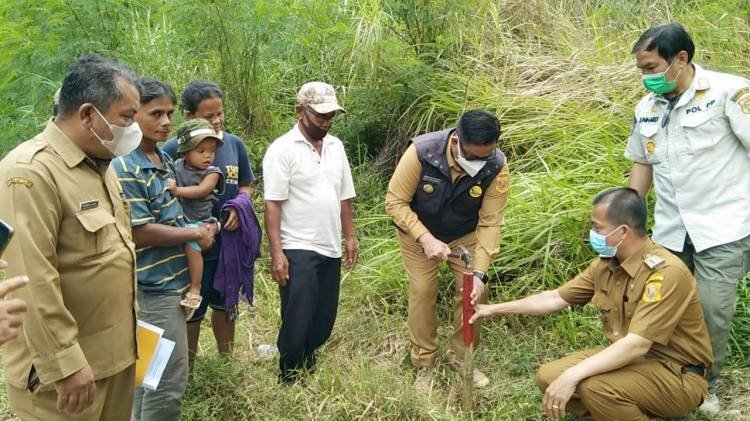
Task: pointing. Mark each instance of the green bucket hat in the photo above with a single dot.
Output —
(193, 132)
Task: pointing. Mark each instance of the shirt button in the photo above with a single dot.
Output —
(617, 333)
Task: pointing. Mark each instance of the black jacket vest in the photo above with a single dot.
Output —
(449, 211)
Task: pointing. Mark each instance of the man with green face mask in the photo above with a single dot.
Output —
(691, 139)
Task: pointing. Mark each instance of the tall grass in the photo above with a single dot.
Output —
(560, 76)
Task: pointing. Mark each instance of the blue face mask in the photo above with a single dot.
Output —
(599, 243)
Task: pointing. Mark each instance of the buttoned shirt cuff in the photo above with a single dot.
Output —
(53, 367)
(481, 262)
(417, 231)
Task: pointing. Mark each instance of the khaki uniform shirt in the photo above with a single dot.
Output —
(73, 240)
(651, 294)
(404, 184)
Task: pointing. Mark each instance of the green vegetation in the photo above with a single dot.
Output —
(558, 73)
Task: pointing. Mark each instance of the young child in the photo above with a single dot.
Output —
(197, 184)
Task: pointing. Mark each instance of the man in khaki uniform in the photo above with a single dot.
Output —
(647, 301)
(75, 358)
(449, 189)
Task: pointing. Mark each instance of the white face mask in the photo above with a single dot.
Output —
(471, 167)
(124, 139)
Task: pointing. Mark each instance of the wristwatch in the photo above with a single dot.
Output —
(479, 274)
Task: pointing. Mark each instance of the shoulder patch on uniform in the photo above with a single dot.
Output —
(652, 291)
(502, 180)
(652, 260)
(740, 92)
(20, 180)
(744, 103)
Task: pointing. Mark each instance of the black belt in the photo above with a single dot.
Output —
(696, 369)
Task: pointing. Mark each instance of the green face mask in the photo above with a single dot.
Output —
(658, 84)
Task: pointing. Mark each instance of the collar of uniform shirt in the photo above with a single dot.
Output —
(451, 160)
(699, 83)
(71, 153)
(632, 263)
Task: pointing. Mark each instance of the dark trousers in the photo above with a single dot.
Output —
(309, 302)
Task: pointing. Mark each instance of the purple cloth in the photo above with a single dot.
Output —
(239, 249)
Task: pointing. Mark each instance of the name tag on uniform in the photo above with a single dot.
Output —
(431, 179)
(89, 204)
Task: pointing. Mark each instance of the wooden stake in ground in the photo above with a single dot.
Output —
(468, 330)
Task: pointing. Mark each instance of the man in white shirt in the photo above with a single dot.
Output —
(691, 139)
(308, 190)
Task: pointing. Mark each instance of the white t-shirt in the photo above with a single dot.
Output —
(312, 187)
(700, 154)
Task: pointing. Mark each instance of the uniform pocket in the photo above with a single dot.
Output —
(654, 146)
(603, 308)
(98, 228)
(703, 130)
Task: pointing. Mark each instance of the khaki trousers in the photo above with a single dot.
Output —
(113, 401)
(643, 388)
(423, 291)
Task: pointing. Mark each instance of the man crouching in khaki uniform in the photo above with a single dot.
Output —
(646, 298)
(75, 358)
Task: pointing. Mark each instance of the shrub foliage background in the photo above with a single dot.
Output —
(558, 73)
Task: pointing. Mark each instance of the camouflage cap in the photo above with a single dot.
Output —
(193, 132)
(321, 97)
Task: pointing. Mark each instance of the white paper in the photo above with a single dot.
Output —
(151, 327)
(158, 363)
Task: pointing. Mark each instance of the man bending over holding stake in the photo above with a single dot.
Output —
(448, 190)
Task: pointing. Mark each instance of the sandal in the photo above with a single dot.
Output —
(191, 300)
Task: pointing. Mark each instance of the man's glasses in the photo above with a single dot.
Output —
(475, 158)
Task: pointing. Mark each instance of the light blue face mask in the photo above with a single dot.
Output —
(599, 243)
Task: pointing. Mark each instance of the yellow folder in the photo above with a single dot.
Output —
(148, 337)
